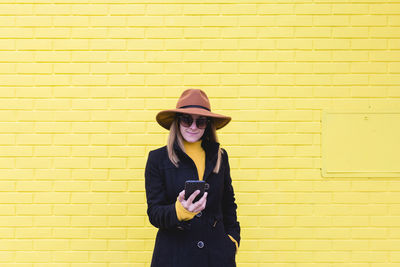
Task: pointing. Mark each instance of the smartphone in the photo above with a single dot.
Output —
(193, 185)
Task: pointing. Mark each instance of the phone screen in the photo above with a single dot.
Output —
(193, 185)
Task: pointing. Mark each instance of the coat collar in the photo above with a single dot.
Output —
(210, 147)
(211, 150)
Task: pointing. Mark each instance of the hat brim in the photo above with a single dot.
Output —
(166, 117)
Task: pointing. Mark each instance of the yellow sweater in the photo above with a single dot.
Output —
(198, 155)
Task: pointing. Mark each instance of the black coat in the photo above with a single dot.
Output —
(202, 241)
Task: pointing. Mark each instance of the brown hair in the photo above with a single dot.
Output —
(210, 134)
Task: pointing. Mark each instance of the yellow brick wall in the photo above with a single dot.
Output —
(81, 82)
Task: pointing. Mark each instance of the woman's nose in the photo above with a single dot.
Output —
(194, 125)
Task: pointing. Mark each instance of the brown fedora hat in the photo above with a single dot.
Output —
(192, 101)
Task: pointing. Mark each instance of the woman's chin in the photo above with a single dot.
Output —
(192, 139)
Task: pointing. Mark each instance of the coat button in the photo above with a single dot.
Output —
(198, 215)
(200, 244)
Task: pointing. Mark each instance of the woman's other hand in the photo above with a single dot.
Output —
(189, 205)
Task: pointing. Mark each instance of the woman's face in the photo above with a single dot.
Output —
(192, 133)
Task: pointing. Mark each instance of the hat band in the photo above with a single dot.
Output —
(196, 106)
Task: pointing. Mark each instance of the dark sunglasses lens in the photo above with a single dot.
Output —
(186, 120)
(201, 123)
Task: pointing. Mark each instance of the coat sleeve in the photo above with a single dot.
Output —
(161, 213)
(231, 224)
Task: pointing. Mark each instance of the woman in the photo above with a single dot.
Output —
(204, 233)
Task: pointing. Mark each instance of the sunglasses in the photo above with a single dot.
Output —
(187, 120)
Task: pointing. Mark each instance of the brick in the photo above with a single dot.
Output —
(182, 68)
(76, 92)
(33, 21)
(294, 20)
(52, 56)
(89, 151)
(164, 9)
(51, 33)
(33, 233)
(70, 44)
(172, 79)
(67, 68)
(312, 9)
(126, 9)
(277, 9)
(371, 67)
(13, 9)
(51, 9)
(51, 151)
(89, 174)
(393, 67)
(334, 44)
(33, 186)
(200, 32)
(70, 209)
(278, 55)
(368, 20)
(89, 104)
(126, 56)
(106, 139)
(108, 68)
(34, 210)
(88, 33)
(179, 44)
(127, 104)
(352, 32)
(198, 55)
(393, 20)
(71, 116)
(257, 44)
(293, 67)
(39, 68)
(7, 21)
(109, 186)
(70, 232)
(132, 33)
(331, 67)
(71, 21)
(351, 9)
(75, 163)
(332, 20)
(200, 9)
(93, 56)
(151, 44)
(250, 21)
(71, 139)
(294, 44)
(384, 55)
(109, 233)
(137, 21)
(350, 55)
(385, 8)
(29, 44)
(179, 21)
(84, 80)
(51, 197)
(222, 67)
(388, 32)
(130, 221)
(85, 9)
(127, 127)
(104, 44)
(107, 21)
(13, 33)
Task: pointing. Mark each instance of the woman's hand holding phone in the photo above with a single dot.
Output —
(189, 205)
